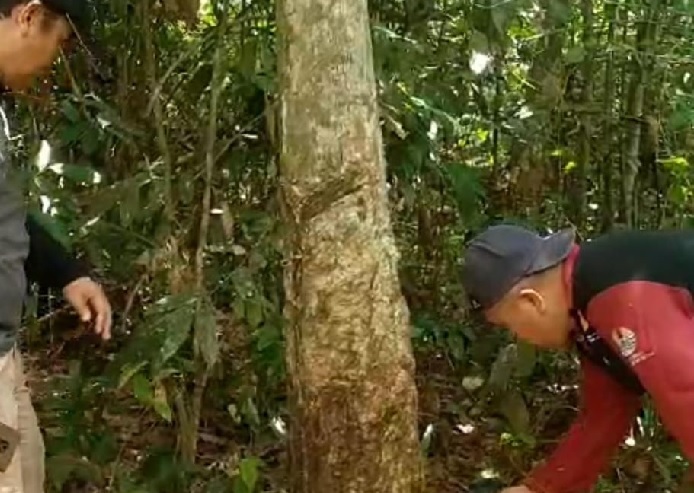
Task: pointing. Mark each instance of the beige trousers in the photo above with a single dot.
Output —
(26, 472)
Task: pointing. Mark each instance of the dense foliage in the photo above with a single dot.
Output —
(162, 171)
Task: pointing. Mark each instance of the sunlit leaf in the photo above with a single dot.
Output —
(248, 470)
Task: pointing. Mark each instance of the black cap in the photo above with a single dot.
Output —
(504, 254)
(77, 11)
(79, 15)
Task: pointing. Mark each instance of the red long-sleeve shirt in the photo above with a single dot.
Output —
(656, 308)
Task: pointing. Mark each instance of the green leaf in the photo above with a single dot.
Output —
(500, 18)
(70, 112)
(206, 341)
(559, 11)
(512, 406)
(479, 42)
(74, 172)
(128, 371)
(466, 187)
(142, 389)
(161, 402)
(254, 313)
(675, 163)
(248, 470)
(90, 141)
(502, 368)
(174, 316)
(69, 134)
(575, 54)
(526, 359)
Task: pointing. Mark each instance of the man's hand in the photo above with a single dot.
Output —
(517, 489)
(87, 297)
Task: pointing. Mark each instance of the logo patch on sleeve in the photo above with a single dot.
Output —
(628, 345)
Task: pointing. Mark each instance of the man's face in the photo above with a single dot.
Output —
(33, 36)
(535, 316)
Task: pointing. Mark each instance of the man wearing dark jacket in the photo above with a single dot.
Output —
(32, 34)
(625, 302)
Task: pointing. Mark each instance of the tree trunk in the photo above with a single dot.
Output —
(578, 200)
(606, 166)
(646, 39)
(352, 396)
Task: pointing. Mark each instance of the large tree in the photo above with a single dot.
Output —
(352, 392)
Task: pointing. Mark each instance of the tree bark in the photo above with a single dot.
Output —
(646, 39)
(606, 166)
(352, 396)
(577, 194)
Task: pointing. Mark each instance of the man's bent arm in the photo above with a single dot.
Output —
(652, 326)
(606, 413)
(49, 264)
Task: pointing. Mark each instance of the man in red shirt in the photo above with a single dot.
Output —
(625, 302)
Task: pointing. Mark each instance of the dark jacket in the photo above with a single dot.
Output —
(28, 253)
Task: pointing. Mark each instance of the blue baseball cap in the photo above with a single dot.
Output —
(502, 255)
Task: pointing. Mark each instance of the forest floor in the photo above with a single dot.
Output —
(465, 440)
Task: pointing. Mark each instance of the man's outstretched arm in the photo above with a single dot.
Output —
(49, 264)
(606, 413)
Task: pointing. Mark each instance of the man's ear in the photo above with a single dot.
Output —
(25, 14)
(534, 297)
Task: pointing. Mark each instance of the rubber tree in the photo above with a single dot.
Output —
(352, 396)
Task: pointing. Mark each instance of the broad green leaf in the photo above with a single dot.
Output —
(128, 371)
(90, 141)
(248, 470)
(142, 389)
(69, 134)
(176, 321)
(675, 163)
(70, 112)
